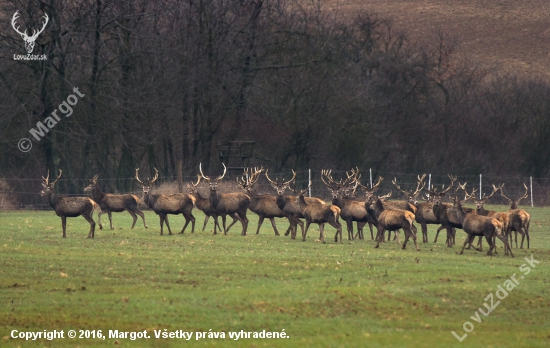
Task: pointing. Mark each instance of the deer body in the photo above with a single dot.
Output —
(320, 214)
(477, 225)
(227, 203)
(519, 218)
(114, 203)
(163, 204)
(65, 207)
(391, 220)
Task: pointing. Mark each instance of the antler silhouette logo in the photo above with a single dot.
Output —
(29, 40)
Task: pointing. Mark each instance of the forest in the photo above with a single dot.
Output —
(167, 84)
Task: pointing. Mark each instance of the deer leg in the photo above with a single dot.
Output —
(235, 218)
(274, 226)
(99, 219)
(504, 240)
(167, 224)
(338, 227)
(244, 222)
(466, 241)
(491, 245)
(90, 219)
(188, 217)
(206, 217)
(64, 225)
(322, 233)
(437, 233)
(301, 223)
(134, 217)
(110, 220)
(223, 224)
(260, 222)
(360, 225)
(527, 233)
(396, 232)
(140, 213)
(349, 224)
(304, 233)
(380, 233)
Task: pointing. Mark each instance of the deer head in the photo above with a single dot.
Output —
(249, 178)
(438, 196)
(92, 185)
(192, 186)
(281, 185)
(29, 40)
(146, 186)
(213, 183)
(48, 187)
(479, 202)
(412, 197)
(369, 192)
(514, 204)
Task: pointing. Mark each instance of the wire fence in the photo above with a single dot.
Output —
(24, 194)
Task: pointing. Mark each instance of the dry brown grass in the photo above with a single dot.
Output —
(513, 35)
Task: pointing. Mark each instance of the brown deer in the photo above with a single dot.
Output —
(288, 205)
(164, 204)
(390, 220)
(477, 225)
(504, 218)
(263, 205)
(393, 205)
(424, 210)
(446, 213)
(227, 203)
(519, 218)
(319, 214)
(114, 203)
(203, 204)
(68, 206)
(351, 210)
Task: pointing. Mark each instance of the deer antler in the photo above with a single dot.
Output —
(137, 177)
(525, 195)
(59, 176)
(202, 174)
(394, 182)
(155, 177)
(193, 186)
(485, 197)
(331, 184)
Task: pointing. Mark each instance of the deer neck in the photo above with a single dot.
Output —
(53, 199)
(459, 212)
(97, 194)
(482, 211)
(514, 205)
(302, 202)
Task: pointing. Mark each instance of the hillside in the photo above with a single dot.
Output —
(513, 35)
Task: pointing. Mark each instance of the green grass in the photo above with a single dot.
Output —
(330, 295)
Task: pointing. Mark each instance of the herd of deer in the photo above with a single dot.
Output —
(425, 206)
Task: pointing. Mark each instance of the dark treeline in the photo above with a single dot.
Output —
(166, 81)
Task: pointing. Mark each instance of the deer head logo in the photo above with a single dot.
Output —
(29, 40)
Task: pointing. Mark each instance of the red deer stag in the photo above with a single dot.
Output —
(164, 204)
(227, 203)
(263, 205)
(390, 220)
(477, 225)
(504, 218)
(68, 206)
(351, 210)
(114, 203)
(519, 218)
(203, 203)
(288, 205)
(319, 214)
(446, 213)
(393, 205)
(424, 210)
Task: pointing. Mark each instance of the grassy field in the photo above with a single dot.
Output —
(331, 295)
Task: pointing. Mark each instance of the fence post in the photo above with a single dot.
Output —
(479, 186)
(531, 184)
(309, 182)
(370, 171)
